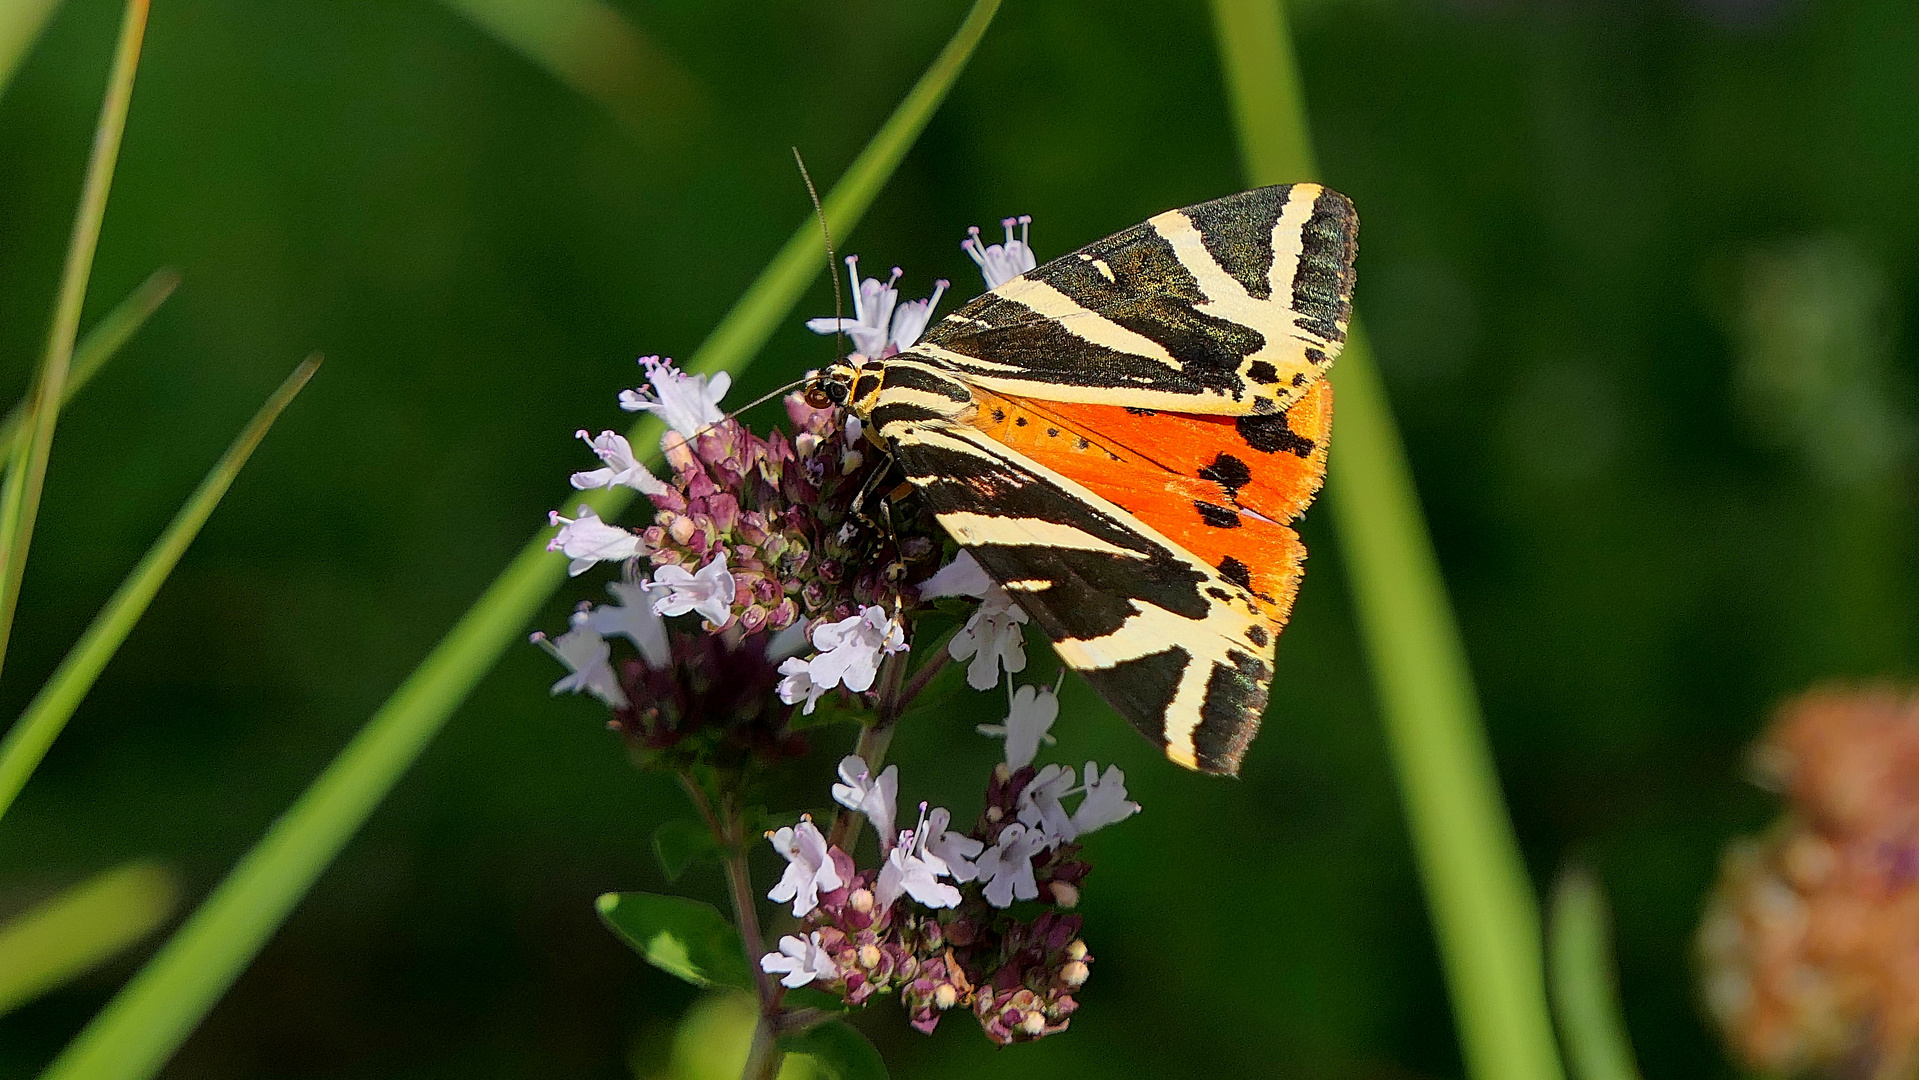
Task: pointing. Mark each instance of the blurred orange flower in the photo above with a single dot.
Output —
(1810, 942)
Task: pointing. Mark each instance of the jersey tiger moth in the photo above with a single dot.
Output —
(1122, 438)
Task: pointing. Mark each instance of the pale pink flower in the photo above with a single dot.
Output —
(809, 867)
(622, 466)
(708, 592)
(1001, 263)
(588, 540)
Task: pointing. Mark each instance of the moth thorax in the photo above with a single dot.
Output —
(854, 383)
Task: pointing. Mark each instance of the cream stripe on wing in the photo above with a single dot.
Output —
(970, 528)
(1288, 242)
(1083, 322)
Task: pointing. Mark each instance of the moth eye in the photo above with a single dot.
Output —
(836, 393)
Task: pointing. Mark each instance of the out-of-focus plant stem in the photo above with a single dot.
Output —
(1585, 991)
(142, 1026)
(20, 24)
(764, 1056)
(598, 52)
(27, 468)
(1484, 912)
(83, 927)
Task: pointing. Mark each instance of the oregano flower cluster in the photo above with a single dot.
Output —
(771, 572)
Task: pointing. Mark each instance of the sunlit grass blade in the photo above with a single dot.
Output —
(99, 345)
(80, 929)
(1585, 990)
(20, 24)
(27, 469)
(1483, 908)
(27, 741)
(135, 1034)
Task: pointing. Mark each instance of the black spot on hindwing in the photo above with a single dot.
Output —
(1269, 434)
(1219, 517)
(1146, 687)
(1229, 473)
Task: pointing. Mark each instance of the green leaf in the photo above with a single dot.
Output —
(27, 466)
(681, 937)
(838, 1051)
(27, 741)
(679, 844)
(1585, 991)
(146, 1022)
(80, 929)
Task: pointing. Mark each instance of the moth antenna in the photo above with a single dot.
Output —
(761, 400)
(832, 260)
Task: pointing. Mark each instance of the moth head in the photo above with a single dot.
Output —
(831, 387)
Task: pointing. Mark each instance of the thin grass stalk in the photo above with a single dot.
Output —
(142, 1026)
(27, 472)
(1585, 990)
(47, 714)
(70, 934)
(99, 345)
(1483, 908)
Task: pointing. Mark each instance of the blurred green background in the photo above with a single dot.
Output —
(1641, 277)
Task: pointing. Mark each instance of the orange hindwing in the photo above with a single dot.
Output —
(1224, 488)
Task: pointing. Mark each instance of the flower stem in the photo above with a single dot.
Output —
(920, 679)
(763, 1059)
(740, 883)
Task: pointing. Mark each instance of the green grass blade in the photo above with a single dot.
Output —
(27, 742)
(80, 929)
(1484, 912)
(592, 48)
(99, 345)
(134, 1035)
(20, 24)
(27, 471)
(1585, 990)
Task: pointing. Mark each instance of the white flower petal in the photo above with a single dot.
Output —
(1105, 801)
(1000, 263)
(687, 403)
(710, 592)
(634, 618)
(588, 540)
(964, 576)
(588, 658)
